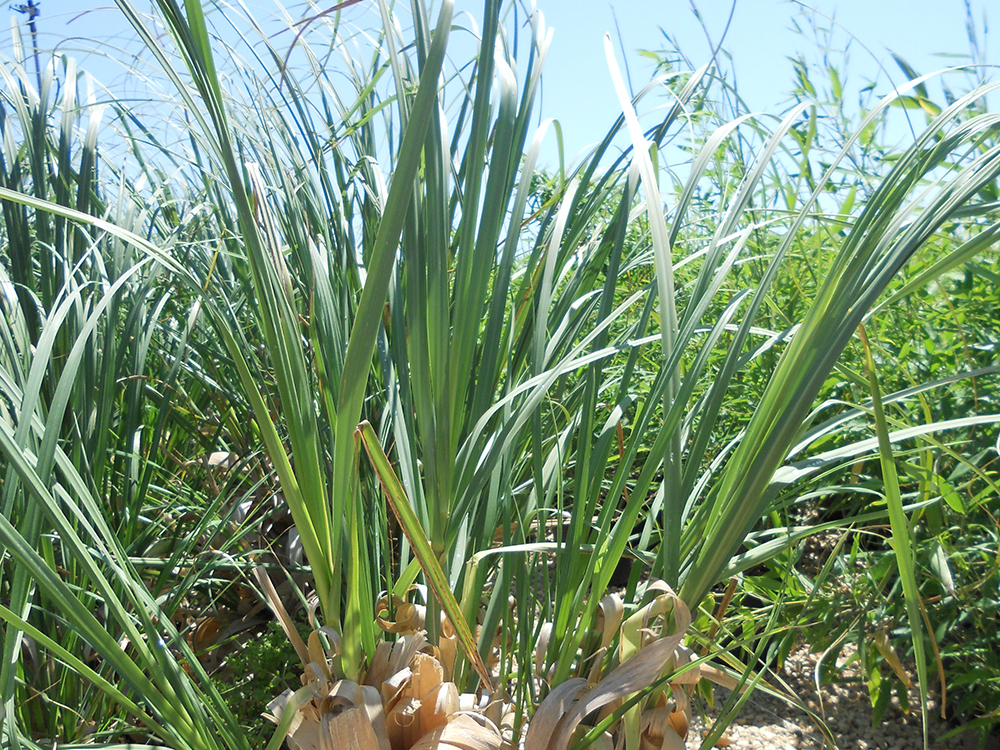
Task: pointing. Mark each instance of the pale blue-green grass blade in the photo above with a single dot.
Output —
(902, 539)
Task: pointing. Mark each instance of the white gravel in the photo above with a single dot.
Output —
(767, 723)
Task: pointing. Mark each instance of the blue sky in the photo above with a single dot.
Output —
(577, 87)
(760, 38)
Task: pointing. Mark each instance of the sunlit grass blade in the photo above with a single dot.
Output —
(429, 563)
(902, 539)
(664, 266)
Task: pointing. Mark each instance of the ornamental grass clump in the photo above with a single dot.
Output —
(480, 391)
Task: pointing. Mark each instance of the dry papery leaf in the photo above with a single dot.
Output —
(413, 708)
(406, 702)
(645, 654)
(409, 617)
(661, 730)
(891, 657)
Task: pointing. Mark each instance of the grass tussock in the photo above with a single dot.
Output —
(513, 455)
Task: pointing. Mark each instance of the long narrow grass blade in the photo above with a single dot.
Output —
(902, 542)
(668, 315)
(436, 578)
(368, 317)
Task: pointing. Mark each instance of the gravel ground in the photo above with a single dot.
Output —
(766, 723)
